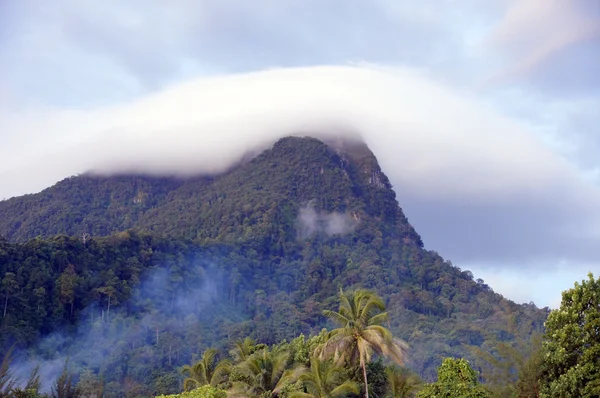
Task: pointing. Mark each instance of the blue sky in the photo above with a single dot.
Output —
(484, 114)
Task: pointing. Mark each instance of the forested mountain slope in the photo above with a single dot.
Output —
(259, 251)
(236, 206)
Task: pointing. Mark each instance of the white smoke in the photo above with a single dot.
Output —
(311, 222)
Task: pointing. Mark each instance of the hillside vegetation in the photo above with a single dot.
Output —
(174, 266)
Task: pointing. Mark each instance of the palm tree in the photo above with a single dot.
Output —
(360, 317)
(206, 371)
(325, 380)
(242, 349)
(264, 374)
(401, 383)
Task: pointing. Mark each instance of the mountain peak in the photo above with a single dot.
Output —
(332, 175)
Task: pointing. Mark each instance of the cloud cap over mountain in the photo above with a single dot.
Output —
(480, 187)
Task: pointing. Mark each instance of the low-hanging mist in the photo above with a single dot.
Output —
(107, 336)
(311, 222)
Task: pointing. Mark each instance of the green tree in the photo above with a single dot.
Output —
(90, 384)
(402, 383)
(67, 283)
(360, 317)
(9, 287)
(513, 370)
(64, 387)
(111, 293)
(325, 380)
(264, 374)
(456, 379)
(571, 365)
(207, 371)
(242, 349)
(528, 383)
(8, 382)
(34, 384)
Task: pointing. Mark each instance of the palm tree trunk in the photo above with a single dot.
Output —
(364, 369)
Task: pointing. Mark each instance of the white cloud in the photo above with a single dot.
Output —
(541, 285)
(206, 124)
(478, 185)
(310, 222)
(550, 43)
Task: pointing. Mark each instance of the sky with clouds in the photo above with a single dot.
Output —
(484, 114)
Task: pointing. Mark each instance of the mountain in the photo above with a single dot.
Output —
(234, 207)
(173, 265)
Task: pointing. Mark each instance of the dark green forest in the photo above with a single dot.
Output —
(129, 278)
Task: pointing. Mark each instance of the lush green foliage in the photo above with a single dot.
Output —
(528, 383)
(206, 371)
(211, 260)
(94, 205)
(511, 372)
(324, 379)
(295, 370)
(571, 366)
(200, 392)
(264, 374)
(456, 379)
(402, 383)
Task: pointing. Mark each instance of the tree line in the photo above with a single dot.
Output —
(162, 297)
(361, 357)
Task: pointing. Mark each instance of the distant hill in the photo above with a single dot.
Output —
(275, 238)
